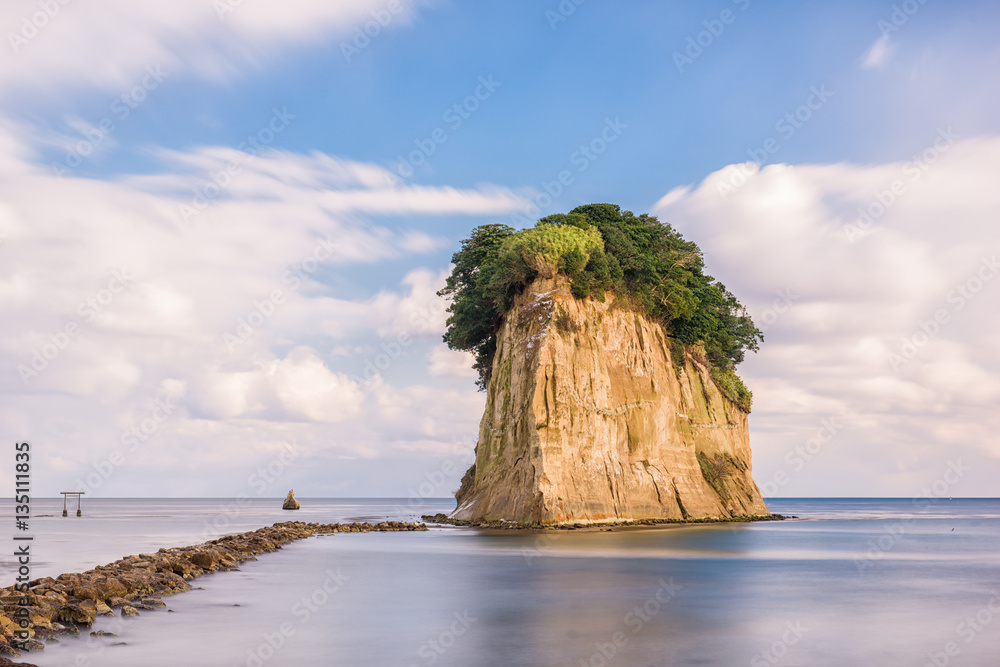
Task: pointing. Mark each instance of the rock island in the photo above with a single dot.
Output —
(608, 357)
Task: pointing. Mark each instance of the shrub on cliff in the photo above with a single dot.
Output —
(545, 249)
(599, 248)
(732, 387)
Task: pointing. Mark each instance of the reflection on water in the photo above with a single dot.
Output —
(841, 589)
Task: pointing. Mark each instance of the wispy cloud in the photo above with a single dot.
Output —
(878, 54)
(106, 44)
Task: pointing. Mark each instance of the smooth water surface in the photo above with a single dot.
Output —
(853, 582)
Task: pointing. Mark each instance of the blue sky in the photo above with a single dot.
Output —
(558, 85)
(835, 100)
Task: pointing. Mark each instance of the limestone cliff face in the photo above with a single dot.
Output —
(589, 419)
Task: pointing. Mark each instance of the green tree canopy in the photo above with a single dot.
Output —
(600, 248)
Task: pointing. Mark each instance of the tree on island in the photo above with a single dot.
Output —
(599, 248)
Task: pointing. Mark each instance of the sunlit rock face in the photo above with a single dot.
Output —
(290, 502)
(589, 418)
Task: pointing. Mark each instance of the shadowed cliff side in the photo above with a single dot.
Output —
(594, 414)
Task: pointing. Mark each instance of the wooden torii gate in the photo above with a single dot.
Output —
(66, 495)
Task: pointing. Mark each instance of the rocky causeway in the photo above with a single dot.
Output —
(69, 604)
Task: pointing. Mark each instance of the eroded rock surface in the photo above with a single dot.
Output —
(590, 417)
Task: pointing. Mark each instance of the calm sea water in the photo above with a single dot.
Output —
(855, 582)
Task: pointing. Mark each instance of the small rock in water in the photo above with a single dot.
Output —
(34, 645)
(102, 633)
(290, 502)
(70, 630)
(129, 610)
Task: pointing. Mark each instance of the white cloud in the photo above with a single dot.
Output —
(421, 413)
(307, 387)
(878, 54)
(455, 363)
(836, 304)
(421, 312)
(109, 44)
(112, 303)
(419, 242)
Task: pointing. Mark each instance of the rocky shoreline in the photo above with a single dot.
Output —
(72, 602)
(444, 519)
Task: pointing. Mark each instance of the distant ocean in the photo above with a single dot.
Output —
(852, 582)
